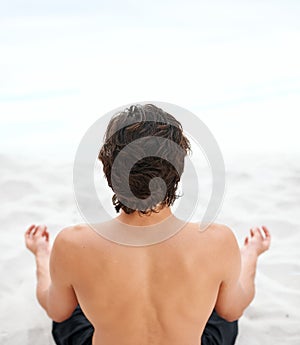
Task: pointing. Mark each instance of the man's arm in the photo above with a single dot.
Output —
(237, 289)
(54, 293)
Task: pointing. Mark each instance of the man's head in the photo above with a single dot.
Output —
(168, 140)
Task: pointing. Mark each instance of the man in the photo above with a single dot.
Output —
(186, 290)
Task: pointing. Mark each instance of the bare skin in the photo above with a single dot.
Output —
(159, 294)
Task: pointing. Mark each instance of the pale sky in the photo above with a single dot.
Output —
(233, 63)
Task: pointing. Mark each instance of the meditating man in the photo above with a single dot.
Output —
(189, 289)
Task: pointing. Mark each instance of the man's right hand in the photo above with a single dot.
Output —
(259, 240)
(237, 288)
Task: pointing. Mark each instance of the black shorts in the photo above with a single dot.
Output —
(77, 330)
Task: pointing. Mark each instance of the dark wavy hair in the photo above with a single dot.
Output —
(136, 122)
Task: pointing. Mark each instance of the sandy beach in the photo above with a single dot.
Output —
(260, 190)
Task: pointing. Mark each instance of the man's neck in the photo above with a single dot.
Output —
(139, 219)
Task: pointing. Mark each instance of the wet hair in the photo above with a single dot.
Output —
(134, 123)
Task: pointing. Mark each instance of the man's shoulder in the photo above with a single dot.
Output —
(219, 233)
(216, 229)
(73, 229)
(225, 239)
(73, 234)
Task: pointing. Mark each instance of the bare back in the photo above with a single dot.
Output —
(158, 294)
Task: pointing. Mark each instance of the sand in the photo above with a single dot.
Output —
(261, 189)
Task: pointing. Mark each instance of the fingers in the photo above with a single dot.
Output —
(40, 230)
(246, 241)
(29, 230)
(267, 236)
(261, 233)
(45, 232)
(256, 232)
(46, 235)
(266, 232)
